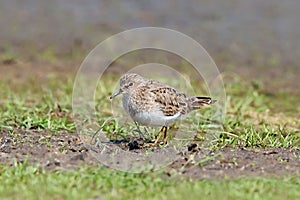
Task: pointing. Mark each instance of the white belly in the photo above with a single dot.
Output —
(155, 119)
(152, 118)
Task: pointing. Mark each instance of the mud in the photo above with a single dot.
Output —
(65, 151)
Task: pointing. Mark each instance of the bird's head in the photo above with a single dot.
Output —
(128, 83)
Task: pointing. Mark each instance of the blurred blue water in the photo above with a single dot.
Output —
(242, 27)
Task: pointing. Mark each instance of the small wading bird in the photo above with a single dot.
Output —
(153, 103)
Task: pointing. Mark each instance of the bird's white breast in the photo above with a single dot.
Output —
(155, 118)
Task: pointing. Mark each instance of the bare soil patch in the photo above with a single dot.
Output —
(65, 151)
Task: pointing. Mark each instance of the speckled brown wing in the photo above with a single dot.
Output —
(169, 100)
(155, 95)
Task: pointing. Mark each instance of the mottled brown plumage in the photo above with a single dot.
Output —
(153, 103)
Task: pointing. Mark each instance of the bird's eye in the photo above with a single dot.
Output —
(130, 84)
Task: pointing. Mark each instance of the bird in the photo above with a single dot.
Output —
(152, 103)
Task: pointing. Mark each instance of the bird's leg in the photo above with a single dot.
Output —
(138, 130)
(165, 135)
(162, 132)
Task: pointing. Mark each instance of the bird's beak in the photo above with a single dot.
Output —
(115, 94)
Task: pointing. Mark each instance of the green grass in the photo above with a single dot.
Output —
(34, 106)
(29, 182)
(252, 121)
